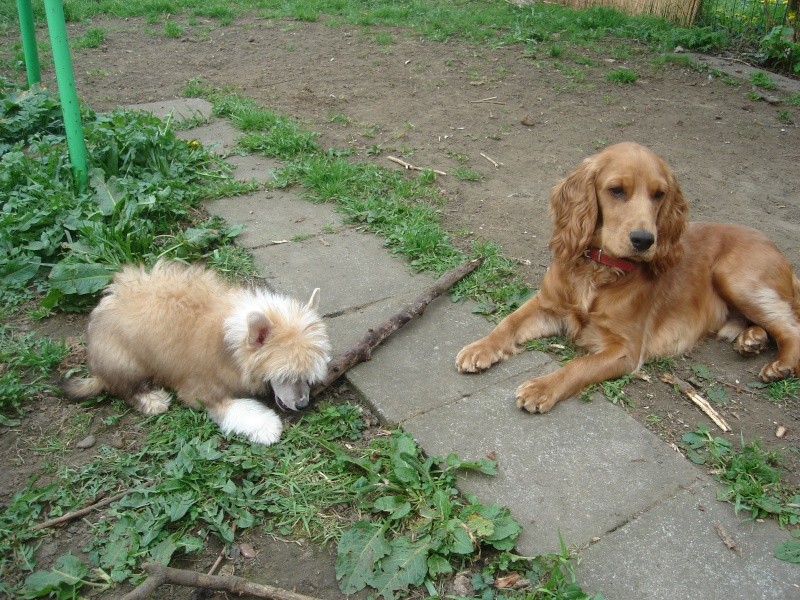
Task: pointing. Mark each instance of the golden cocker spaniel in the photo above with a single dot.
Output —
(632, 280)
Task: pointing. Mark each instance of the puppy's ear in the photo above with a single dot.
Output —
(573, 207)
(313, 302)
(258, 329)
(671, 222)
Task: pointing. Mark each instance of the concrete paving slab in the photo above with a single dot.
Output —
(272, 216)
(414, 371)
(218, 136)
(352, 269)
(179, 109)
(583, 469)
(252, 168)
(674, 551)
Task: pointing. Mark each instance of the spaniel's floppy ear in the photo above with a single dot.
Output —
(671, 222)
(573, 207)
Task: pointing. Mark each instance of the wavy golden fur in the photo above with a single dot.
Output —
(632, 280)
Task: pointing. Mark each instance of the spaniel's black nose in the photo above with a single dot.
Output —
(642, 240)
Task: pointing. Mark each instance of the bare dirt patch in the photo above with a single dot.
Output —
(446, 105)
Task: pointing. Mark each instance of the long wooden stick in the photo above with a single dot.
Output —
(362, 351)
(698, 400)
(159, 575)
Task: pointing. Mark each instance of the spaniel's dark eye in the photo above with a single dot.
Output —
(658, 195)
(618, 191)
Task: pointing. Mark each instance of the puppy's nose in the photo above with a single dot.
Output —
(642, 240)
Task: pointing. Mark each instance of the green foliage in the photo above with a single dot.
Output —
(779, 50)
(424, 525)
(750, 478)
(784, 389)
(789, 550)
(144, 184)
(26, 360)
(762, 80)
(62, 582)
(622, 76)
(188, 484)
(564, 348)
(465, 174)
(93, 38)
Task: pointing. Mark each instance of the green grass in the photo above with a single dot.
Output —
(762, 80)
(622, 76)
(93, 38)
(26, 360)
(494, 23)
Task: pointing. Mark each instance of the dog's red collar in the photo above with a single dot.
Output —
(596, 254)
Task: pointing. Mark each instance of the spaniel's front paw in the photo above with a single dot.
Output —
(535, 396)
(776, 370)
(478, 356)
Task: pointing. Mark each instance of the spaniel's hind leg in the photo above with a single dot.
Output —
(747, 339)
(247, 417)
(751, 341)
(775, 317)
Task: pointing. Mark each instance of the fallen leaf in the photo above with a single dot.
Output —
(508, 581)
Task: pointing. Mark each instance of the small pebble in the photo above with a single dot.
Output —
(86, 442)
(247, 550)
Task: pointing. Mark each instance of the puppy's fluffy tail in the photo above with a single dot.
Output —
(81, 389)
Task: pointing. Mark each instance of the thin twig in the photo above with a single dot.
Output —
(491, 160)
(406, 165)
(490, 100)
(697, 399)
(200, 593)
(80, 512)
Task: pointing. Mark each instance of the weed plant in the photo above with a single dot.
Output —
(26, 360)
(751, 481)
(415, 525)
(141, 202)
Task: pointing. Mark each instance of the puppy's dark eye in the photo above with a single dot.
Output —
(659, 195)
(618, 191)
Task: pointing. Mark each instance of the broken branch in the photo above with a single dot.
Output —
(79, 513)
(406, 165)
(362, 351)
(698, 400)
(159, 574)
(491, 160)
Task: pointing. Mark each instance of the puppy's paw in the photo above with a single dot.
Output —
(776, 371)
(153, 402)
(751, 341)
(478, 356)
(253, 420)
(535, 396)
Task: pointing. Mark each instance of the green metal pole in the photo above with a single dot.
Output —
(66, 90)
(29, 41)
